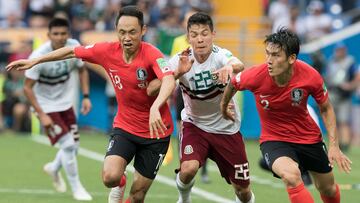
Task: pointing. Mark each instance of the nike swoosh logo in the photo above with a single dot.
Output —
(264, 96)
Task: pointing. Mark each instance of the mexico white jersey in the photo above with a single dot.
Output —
(202, 94)
(53, 89)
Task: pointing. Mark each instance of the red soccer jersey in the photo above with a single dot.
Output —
(282, 110)
(130, 82)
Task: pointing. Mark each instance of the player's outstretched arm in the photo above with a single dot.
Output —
(156, 124)
(224, 104)
(233, 67)
(59, 54)
(334, 152)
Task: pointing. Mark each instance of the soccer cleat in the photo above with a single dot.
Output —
(116, 194)
(82, 195)
(58, 180)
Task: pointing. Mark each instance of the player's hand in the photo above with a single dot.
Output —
(156, 124)
(46, 121)
(184, 63)
(85, 106)
(335, 155)
(22, 64)
(228, 111)
(223, 74)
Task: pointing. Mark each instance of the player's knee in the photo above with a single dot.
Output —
(138, 195)
(291, 177)
(189, 170)
(327, 189)
(110, 178)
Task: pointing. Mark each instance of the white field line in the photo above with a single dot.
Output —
(24, 191)
(162, 179)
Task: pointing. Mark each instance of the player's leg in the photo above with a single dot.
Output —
(193, 153)
(53, 168)
(149, 157)
(230, 156)
(68, 146)
(325, 184)
(121, 150)
(69, 163)
(321, 171)
(282, 160)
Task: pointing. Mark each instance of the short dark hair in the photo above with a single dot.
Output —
(286, 39)
(202, 19)
(58, 22)
(130, 11)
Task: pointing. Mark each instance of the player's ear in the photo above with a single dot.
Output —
(292, 59)
(143, 30)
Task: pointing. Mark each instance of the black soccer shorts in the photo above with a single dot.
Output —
(149, 153)
(312, 157)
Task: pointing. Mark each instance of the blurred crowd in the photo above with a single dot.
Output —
(310, 19)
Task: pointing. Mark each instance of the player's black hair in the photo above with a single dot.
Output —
(58, 22)
(200, 18)
(286, 39)
(130, 11)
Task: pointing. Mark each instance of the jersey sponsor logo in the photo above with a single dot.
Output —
(296, 96)
(164, 66)
(141, 73)
(188, 149)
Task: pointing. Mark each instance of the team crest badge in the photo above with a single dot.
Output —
(296, 96)
(141, 74)
(188, 149)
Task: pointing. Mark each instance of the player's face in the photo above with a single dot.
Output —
(201, 39)
(277, 60)
(130, 33)
(58, 36)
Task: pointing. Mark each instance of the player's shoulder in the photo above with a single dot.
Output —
(305, 69)
(72, 42)
(149, 47)
(41, 50)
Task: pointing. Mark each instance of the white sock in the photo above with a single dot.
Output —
(184, 189)
(69, 162)
(252, 199)
(56, 163)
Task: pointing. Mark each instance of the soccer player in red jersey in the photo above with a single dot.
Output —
(143, 123)
(290, 140)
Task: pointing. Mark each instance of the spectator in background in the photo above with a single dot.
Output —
(169, 29)
(356, 113)
(340, 77)
(15, 105)
(12, 20)
(317, 23)
(279, 11)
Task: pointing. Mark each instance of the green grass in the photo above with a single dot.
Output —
(22, 179)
